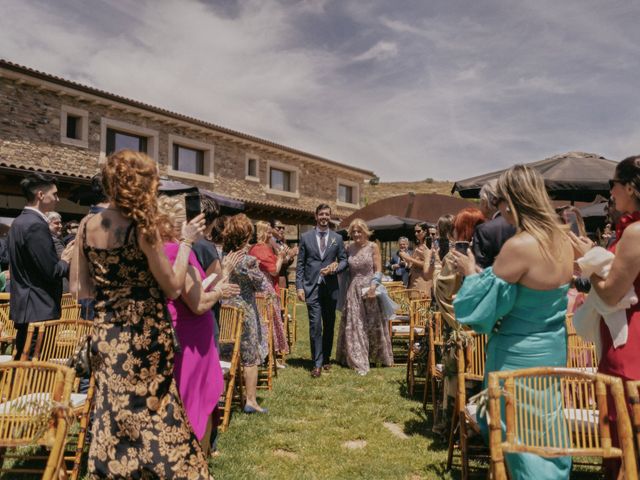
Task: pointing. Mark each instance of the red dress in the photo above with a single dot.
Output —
(624, 361)
(267, 261)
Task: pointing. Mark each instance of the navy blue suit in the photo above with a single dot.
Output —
(321, 294)
(36, 274)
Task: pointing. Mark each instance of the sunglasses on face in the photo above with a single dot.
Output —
(279, 227)
(613, 181)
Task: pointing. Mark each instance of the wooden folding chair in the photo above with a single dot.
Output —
(292, 305)
(549, 412)
(267, 372)
(35, 400)
(7, 333)
(70, 312)
(435, 369)
(230, 322)
(470, 356)
(284, 293)
(581, 354)
(57, 341)
(399, 326)
(419, 317)
(67, 300)
(633, 394)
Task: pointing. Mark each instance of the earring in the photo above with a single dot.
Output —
(507, 209)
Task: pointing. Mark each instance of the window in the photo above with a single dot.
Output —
(117, 140)
(188, 160)
(348, 193)
(280, 180)
(252, 167)
(116, 135)
(345, 193)
(74, 126)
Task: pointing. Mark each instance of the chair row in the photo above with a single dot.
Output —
(548, 411)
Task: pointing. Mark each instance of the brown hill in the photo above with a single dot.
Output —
(373, 193)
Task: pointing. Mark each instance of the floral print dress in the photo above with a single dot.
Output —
(140, 428)
(253, 341)
(364, 332)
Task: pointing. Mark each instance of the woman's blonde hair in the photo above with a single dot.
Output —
(263, 231)
(358, 222)
(130, 180)
(524, 191)
(171, 215)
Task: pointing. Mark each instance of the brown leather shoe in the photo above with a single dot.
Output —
(326, 367)
(316, 372)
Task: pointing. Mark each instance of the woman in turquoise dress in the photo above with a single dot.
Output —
(521, 301)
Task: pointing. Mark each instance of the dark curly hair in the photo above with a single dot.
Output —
(130, 179)
(238, 230)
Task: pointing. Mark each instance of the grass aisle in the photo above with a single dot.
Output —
(312, 423)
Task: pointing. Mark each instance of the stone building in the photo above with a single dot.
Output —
(57, 126)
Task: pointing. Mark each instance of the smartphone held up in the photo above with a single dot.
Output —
(192, 205)
(461, 247)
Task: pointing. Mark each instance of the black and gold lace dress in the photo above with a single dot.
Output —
(140, 428)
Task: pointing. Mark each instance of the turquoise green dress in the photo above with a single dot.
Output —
(525, 328)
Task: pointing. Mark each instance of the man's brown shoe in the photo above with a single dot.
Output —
(316, 372)
(326, 367)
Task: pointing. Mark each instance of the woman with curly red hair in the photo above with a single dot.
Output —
(140, 427)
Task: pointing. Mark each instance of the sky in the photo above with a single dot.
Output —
(410, 89)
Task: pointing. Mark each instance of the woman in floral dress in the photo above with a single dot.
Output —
(247, 275)
(140, 428)
(364, 332)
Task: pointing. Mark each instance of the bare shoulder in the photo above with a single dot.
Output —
(520, 244)
(375, 247)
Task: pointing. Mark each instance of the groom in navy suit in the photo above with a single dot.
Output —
(321, 256)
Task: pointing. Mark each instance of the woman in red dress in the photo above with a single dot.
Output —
(270, 265)
(624, 361)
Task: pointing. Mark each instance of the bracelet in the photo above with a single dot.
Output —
(187, 243)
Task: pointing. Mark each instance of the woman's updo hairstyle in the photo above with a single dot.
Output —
(130, 180)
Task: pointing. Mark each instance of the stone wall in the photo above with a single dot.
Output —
(30, 116)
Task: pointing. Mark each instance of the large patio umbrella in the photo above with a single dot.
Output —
(389, 227)
(573, 176)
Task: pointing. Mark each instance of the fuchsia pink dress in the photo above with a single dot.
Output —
(197, 369)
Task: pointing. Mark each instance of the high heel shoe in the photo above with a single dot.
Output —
(249, 409)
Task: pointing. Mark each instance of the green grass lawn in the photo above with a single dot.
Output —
(310, 420)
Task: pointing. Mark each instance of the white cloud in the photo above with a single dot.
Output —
(380, 51)
(428, 89)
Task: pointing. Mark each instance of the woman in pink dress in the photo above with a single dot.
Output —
(197, 367)
(623, 361)
(270, 265)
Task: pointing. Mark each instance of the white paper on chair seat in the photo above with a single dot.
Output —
(471, 410)
(581, 418)
(585, 369)
(39, 401)
(439, 367)
(405, 329)
(5, 358)
(225, 366)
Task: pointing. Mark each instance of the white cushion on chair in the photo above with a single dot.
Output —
(5, 358)
(401, 318)
(585, 369)
(581, 418)
(440, 368)
(39, 399)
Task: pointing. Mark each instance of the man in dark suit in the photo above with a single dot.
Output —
(321, 256)
(488, 237)
(36, 271)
